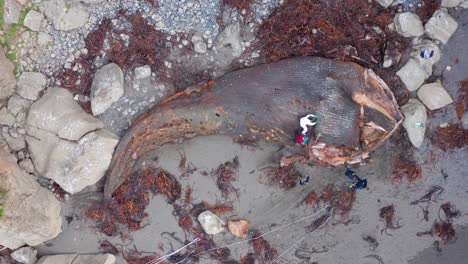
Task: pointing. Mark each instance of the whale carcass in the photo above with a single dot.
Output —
(357, 112)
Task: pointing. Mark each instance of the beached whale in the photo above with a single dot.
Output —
(356, 109)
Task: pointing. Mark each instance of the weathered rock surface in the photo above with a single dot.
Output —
(142, 72)
(25, 255)
(465, 121)
(107, 88)
(385, 3)
(17, 104)
(27, 165)
(408, 24)
(199, 45)
(78, 259)
(450, 3)
(434, 96)
(14, 143)
(43, 39)
(430, 48)
(6, 118)
(412, 75)
(7, 78)
(31, 213)
(34, 20)
(66, 15)
(415, 121)
(12, 11)
(58, 113)
(73, 165)
(441, 26)
(230, 38)
(31, 84)
(464, 4)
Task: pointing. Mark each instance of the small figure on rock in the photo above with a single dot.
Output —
(304, 181)
(302, 138)
(358, 184)
(426, 54)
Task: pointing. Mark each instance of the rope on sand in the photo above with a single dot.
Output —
(197, 239)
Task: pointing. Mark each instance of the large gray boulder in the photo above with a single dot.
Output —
(34, 20)
(408, 24)
(72, 165)
(107, 88)
(78, 259)
(31, 214)
(441, 26)
(412, 75)
(12, 10)
(434, 96)
(415, 121)
(25, 255)
(7, 78)
(450, 3)
(58, 113)
(31, 84)
(66, 14)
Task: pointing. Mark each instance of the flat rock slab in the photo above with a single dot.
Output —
(408, 24)
(441, 26)
(73, 165)
(58, 113)
(66, 15)
(412, 75)
(415, 121)
(31, 84)
(434, 96)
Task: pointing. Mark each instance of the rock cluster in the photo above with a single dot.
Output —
(30, 213)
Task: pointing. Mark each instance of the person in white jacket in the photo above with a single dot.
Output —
(306, 121)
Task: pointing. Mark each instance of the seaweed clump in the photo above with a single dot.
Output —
(311, 199)
(145, 46)
(462, 101)
(404, 168)
(248, 259)
(387, 213)
(349, 30)
(262, 248)
(450, 137)
(444, 230)
(127, 206)
(283, 177)
(225, 175)
(341, 200)
(449, 210)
